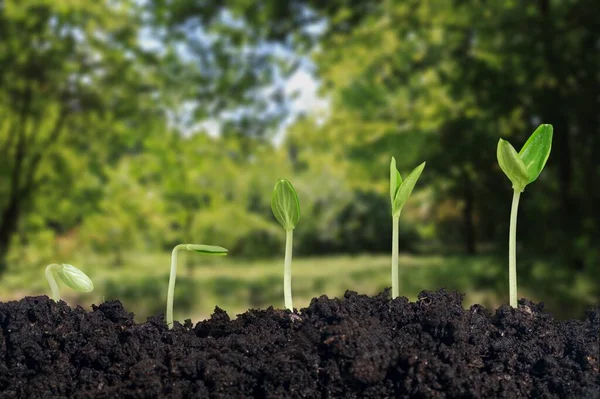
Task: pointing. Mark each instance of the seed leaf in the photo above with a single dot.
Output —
(75, 278)
(207, 249)
(285, 204)
(536, 151)
(512, 165)
(395, 180)
(406, 189)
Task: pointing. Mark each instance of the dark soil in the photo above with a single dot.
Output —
(358, 347)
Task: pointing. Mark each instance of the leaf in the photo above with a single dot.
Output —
(285, 204)
(406, 188)
(536, 151)
(512, 165)
(75, 278)
(207, 249)
(395, 180)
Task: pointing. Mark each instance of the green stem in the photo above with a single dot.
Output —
(395, 238)
(171, 289)
(287, 270)
(50, 270)
(512, 251)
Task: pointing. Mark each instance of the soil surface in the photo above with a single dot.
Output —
(356, 347)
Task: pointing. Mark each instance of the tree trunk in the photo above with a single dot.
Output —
(469, 224)
(10, 219)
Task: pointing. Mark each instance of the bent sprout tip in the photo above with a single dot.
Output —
(211, 250)
(70, 275)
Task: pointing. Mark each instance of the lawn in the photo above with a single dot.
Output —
(236, 285)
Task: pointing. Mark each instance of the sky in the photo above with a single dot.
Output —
(301, 88)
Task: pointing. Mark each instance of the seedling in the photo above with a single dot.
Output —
(70, 275)
(521, 169)
(399, 193)
(286, 208)
(202, 249)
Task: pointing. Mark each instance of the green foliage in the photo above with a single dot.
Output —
(71, 276)
(285, 204)
(401, 190)
(512, 165)
(207, 249)
(525, 167)
(536, 151)
(143, 124)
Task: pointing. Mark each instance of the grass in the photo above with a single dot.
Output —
(236, 285)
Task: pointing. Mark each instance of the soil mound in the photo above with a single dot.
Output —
(356, 347)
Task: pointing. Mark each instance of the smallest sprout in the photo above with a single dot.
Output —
(71, 276)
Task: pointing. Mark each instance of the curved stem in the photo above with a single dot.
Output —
(395, 238)
(287, 270)
(171, 289)
(50, 270)
(512, 251)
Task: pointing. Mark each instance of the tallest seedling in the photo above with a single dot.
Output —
(399, 193)
(521, 169)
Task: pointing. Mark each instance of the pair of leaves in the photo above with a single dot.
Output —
(74, 278)
(400, 190)
(285, 204)
(207, 249)
(524, 167)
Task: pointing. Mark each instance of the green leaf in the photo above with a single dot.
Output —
(512, 165)
(395, 180)
(285, 204)
(75, 278)
(406, 188)
(536, 151)
(207, 249)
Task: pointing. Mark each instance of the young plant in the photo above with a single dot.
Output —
(399, 193)
(286, 208)
(202, 249)
(521, 169)
(70, 275)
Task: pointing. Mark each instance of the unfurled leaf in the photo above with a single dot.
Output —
(536, 151)
(207, 249)
(285, 204)
(395, 180)
(405, 189)
(75, 278)
(512, 165)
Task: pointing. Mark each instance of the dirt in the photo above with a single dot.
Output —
(356, 347)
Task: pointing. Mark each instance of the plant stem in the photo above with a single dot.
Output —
(512, 251)
(171, 289)
(395, 238)
(50, 269)
(287, 271)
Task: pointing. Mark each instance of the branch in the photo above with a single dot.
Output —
(21, 144)
(37, 157)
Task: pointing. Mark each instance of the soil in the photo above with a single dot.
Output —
(356, 347)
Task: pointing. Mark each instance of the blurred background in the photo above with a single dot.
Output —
(129, 126)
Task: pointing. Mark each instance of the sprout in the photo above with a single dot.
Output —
(521, 169)
(399, 193)
(202, 249)
(286, 208)
(70, 275)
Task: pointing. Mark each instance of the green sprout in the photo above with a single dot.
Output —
(286, 208)
(202, 249)
(70, 275)
(399, 193)
(521, 169)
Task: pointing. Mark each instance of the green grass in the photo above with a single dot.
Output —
(236, 285)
